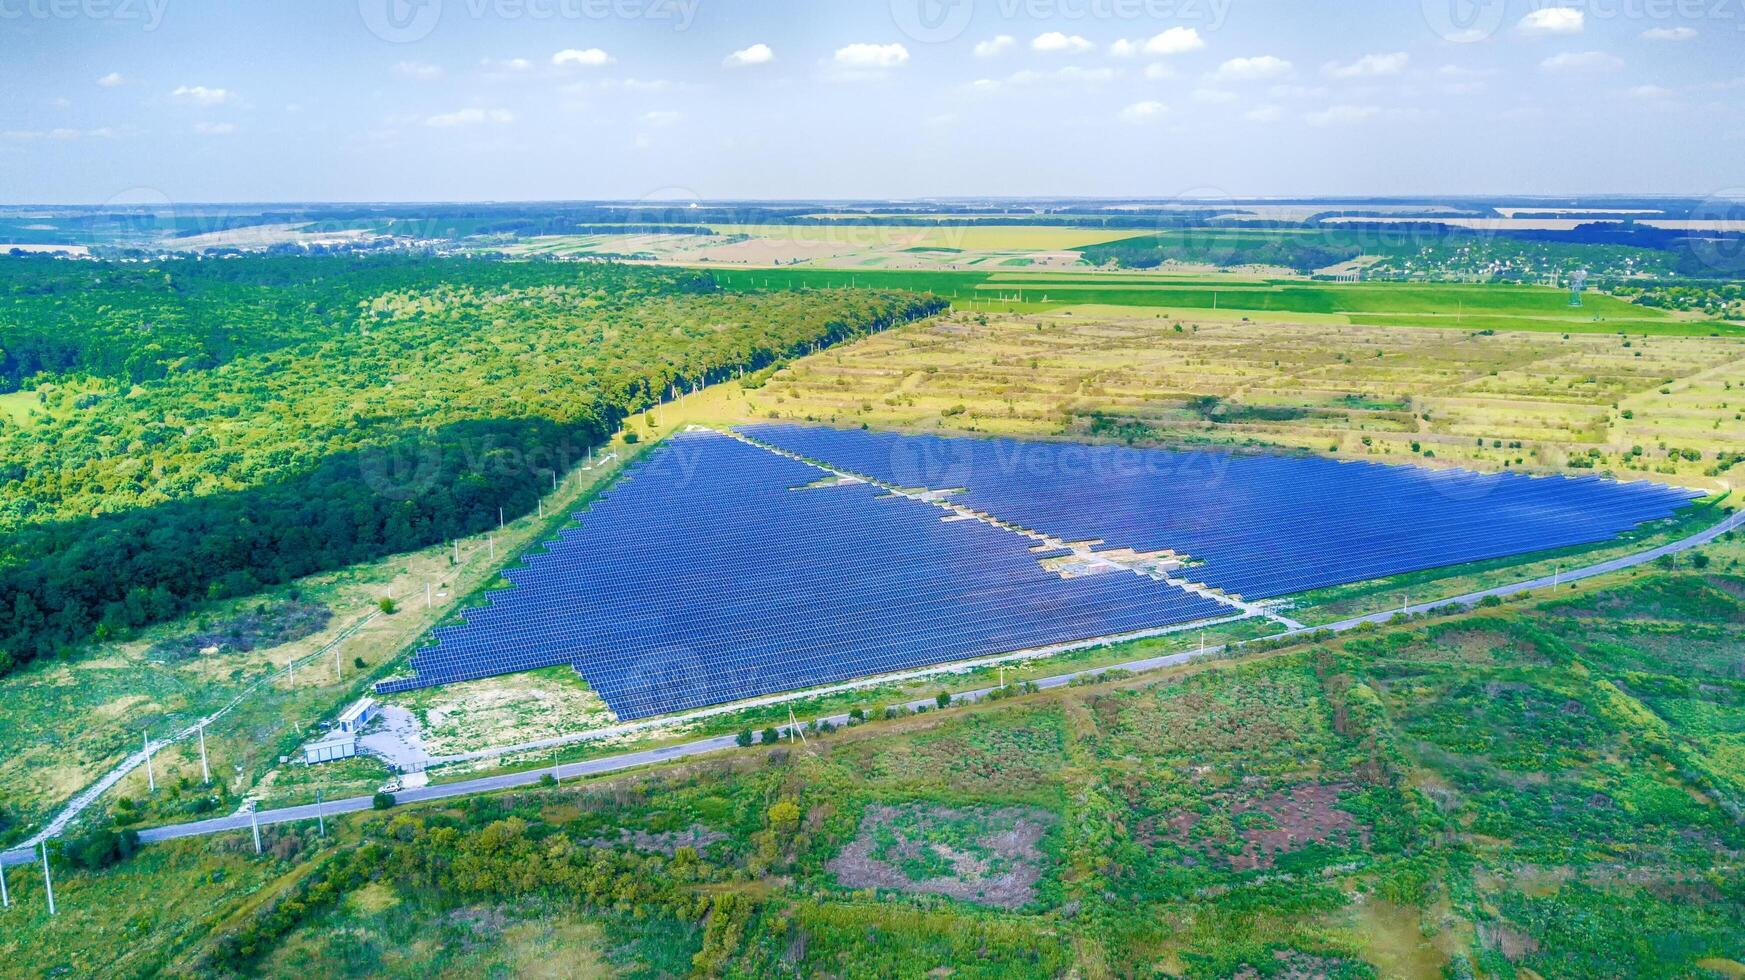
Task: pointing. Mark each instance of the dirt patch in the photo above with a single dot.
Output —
(982, 855)
(1250, 833)
(1292, 965)
(696, 837)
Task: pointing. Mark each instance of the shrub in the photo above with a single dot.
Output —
(382, 801)
(743, 738)
(386, 605)
(944, 699)
(771, 736)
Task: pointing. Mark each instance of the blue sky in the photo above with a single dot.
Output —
(417, 100)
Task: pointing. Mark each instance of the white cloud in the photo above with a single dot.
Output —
(201, 95)
(871, 56)
(1342, 115)
(111, 80)
(661, 117)
(995, 46)
(1571, 61)
(1158, 72)
(506, 66)
(1252, 69)
(1553, 20)
(984, 85)
(1263, 114)
(1369, 66)
(757, 54)
(1669, 34)
(1144, 112)
(1176, 40)
(1650, 92)
(214, 129)
(588, 58)
(1213, 96)
(417, 69)
(33, 135)
(469, 117)
(1054, 42)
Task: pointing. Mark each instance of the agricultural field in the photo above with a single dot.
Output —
(1256, 296)
(1652, 407)
(1546, 788)
(856, 246)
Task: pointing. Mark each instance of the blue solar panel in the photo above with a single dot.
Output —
(1257, 526)
(713, 571)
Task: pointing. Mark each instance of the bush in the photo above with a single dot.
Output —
(771, 736)
(631, 438)
(101, 847)
(548, 780)
(743, 738)
(944, 699)
(858, 714)
(382, 801)
(386, 605)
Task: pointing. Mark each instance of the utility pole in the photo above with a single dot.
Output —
(492, 541)
(320, 821)
(151, 782)
(5, 897)
(48, 884)
(338, 671)
(428, 604)
(499, 518)
(206, 771)
(457, 551)
(794, 727)
(1555, 569)
(254, 820)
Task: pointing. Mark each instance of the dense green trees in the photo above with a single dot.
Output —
(346, 409)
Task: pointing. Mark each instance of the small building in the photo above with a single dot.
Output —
(354, 718)
(334, 745)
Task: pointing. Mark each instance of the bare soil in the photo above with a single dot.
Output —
(1006, 880)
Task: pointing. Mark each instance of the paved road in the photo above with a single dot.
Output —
(644, 757)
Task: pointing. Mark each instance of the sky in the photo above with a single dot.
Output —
(144, 101)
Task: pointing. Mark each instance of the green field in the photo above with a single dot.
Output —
(1473, 307)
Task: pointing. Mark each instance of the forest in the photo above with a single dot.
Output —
(197, 429)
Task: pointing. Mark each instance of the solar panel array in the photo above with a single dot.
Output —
(704, 576)
(1263, 526)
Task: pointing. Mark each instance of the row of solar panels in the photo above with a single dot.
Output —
(1258, 526)
(706, 576)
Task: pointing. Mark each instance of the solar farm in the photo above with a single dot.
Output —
(727, 566)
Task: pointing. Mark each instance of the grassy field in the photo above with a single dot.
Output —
(1545, 789)
(1660, 407)
(1460, 306)
(965, 238)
